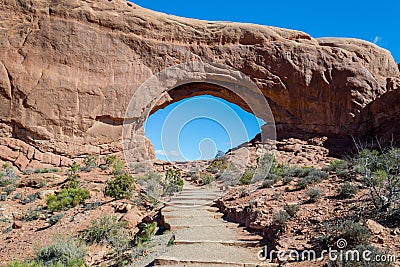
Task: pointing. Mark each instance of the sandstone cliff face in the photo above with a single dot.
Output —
(68, 70)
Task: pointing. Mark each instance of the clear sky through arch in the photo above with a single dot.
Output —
(197, 127)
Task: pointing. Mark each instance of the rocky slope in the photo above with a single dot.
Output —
(68, 70)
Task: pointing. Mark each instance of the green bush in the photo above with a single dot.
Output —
(292, 209)
(146, 233)
(8, 177)
(73, 181)
(207, 178)
(90, 162)
(111, 159)
(74, 168)
(193, 175)
(67, 198)
(353, 232)
(151, 182)
(65, 250)
(138, 167)
(347, 190)
(29, 199)
(314, 194)
(359, 260)
(244, 192)
(42, 183)
(267, 183)
(280, 219)
(120, 187)
(247, 177)
(118, 167)
(108, 230)
(173, 182)
(30, 263)
(340, 167)
(380, 173)
(32, 213)
(216, 166)
(56, 218)
(287, 180)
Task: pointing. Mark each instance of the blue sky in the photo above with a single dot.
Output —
(374, 21)
(197, 127)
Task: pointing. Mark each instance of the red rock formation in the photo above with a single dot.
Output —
(68, 70)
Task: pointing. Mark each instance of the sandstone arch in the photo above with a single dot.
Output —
(69, 68)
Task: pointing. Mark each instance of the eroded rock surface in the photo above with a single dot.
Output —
(68, 70)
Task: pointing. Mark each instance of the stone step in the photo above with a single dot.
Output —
(209, 234)
(236, 243)
(210, 254)
(190, 214)
(189, 203)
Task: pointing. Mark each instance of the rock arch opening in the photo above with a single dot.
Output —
(199, 122)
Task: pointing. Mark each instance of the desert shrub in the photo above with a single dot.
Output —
(381, 175)
(9, 189)
(138, 167)
(27, 172)
(207, 178)
(65, 250)
(8, 177)
(55, 218)
(29, 199)
(311, 176)
(17, 196)
(264, 165)
(32, 213)
(42, 183)
(73, 169)
(90, 162)
(340, 167)
(220, 154)
(66, 199)
(277, 195)
(287, 180)
(268, 183)
(314, 194)
(348, 190)
(247, 176)
(374, 258)
(148, 230)
(73, 181)
(110, 160)
(292, 209)
(32, 263)
(120, 187)
(216, 166)
(172, 182)
(230, 176)
(108, 230)
(295, 171)
(118, 167)
(280, 219)
(273, 177)
(244, 192)
(193, 175)
(281, 170)
(353, 232)
(3, 197)
(151, 182)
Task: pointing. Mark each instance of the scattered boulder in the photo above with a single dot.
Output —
(374, 227)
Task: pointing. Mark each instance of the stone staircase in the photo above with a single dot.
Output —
(202, 237)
